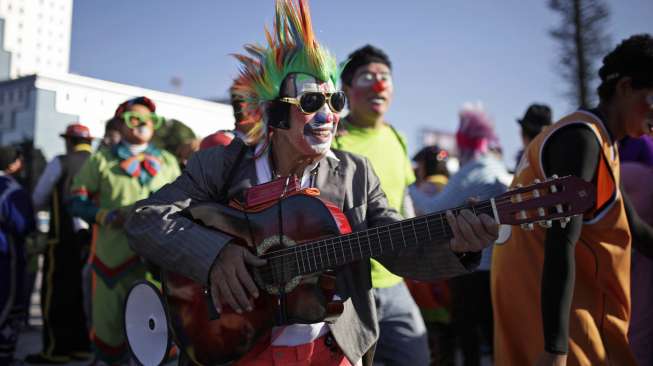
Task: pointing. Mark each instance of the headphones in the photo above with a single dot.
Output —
(278, 114)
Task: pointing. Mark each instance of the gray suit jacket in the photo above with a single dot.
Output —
(159, 233)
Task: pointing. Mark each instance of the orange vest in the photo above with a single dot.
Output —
(600, 307)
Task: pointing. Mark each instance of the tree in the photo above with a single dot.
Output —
(582, 42)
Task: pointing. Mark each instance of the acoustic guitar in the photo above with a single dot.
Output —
(304, 238)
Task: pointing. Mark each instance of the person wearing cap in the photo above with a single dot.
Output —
(537, 117)
(562, 295)
(367, 81)
(482, 175)
(110, 181)
(16, 222)
(65, 332)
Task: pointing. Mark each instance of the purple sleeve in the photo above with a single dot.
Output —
(638, 150)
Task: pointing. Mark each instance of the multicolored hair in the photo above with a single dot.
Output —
(291, 49)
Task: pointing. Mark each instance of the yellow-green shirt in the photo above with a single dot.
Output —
(385, 149)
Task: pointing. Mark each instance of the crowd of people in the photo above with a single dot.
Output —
(577, 294)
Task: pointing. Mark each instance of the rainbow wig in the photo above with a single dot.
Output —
(293, 49)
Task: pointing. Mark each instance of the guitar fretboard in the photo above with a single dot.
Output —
(333, 252)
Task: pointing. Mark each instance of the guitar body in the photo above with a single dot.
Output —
(308, 299)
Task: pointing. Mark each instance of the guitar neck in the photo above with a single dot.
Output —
(378, 241)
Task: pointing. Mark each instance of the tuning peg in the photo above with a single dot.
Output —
(546, 224)
(536, 181)
(564, 221)
(554, 176)
(528, 227)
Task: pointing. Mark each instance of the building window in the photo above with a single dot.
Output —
(14, 117)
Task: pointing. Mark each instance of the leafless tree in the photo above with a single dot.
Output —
(583, 41)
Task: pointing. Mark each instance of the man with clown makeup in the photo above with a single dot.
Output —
(109, 182)
(289, 87)
(367, 81)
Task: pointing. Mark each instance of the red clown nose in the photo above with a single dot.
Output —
(379, 86)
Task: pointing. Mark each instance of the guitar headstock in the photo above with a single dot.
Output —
(543, 202)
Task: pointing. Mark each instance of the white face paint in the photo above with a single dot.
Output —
(316, 129)
(145, 132)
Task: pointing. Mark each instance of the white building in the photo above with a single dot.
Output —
(39, 107)
(36, 33)
(38, 96)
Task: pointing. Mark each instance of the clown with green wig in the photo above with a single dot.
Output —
(290, 88)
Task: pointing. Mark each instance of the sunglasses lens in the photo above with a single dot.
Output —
(338, 101)
(157, 121)
(127, 117)
(312, 102)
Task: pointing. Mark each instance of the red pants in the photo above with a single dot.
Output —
(321, 352)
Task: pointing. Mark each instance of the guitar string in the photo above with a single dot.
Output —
(436, 215)
(330, 247)
(395, 235)
(483, 205)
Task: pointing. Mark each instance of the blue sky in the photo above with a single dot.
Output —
(444, 53)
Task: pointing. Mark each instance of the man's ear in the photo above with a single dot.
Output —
(624, 86)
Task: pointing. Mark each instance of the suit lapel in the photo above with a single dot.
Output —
(245, 177)
(330, 181)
